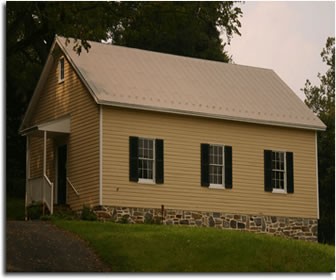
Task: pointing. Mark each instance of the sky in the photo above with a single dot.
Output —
(287, 37)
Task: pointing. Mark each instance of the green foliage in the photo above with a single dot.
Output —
(88, 214)
(30, 31)
(175, 27)
(64, 213)
(149, 219)
(182, 28)
(35, 210)
(321, 99)
(152, 248)
(15, 208)
(46, 218)
(123, 220)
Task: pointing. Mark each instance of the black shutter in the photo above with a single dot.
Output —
(268, 170)
(133, 159)
(228, 167)
(205, 165)
(290, 172)
(159, 161)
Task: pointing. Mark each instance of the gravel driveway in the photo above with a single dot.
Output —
(36, 246)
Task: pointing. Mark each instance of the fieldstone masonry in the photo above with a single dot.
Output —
(290, 227)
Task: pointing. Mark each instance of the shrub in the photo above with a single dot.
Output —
(124, 219)
(88, 214)
(34, 210)
(65, 213)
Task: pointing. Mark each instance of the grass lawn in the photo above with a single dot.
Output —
(157, 248)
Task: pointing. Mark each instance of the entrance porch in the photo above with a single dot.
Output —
(46, 163)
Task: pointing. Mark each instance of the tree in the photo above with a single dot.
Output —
(30, 31)
(190, 29)
(182, 28)
(321, 99)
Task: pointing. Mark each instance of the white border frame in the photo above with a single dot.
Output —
(149, 181)
(60, 79)
(219, 186)
(282, 191)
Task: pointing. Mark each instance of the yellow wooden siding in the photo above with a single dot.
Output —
(59, 99)
(182, 137)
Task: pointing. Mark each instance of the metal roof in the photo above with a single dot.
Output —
(135, 78)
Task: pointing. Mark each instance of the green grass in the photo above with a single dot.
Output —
(157, 248)
(15, 208)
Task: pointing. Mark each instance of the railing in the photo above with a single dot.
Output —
(72, 186)
(40, 189)
(48, 194)
(34, 190)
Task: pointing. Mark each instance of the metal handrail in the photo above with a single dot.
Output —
(72, 186)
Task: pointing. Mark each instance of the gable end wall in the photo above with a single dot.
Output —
(56, 100)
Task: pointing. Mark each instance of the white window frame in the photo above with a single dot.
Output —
(60, 78)
(144, 180)
(278, 190)
(218, 186)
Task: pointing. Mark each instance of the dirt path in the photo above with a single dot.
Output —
(36, 246)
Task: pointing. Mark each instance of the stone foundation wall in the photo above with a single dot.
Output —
(290, 227)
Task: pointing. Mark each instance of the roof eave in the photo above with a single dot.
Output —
(212, 116)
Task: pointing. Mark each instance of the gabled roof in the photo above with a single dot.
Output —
(133, 78)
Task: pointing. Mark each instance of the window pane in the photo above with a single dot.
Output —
(150, 144)
(220, 155)
(62, 68)
(281, 156)
(211, 158)
(146, 148)
(140, 152)
(150, 153)
(140, 149)
(140, 175)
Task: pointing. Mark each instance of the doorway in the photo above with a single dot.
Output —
(61, 174)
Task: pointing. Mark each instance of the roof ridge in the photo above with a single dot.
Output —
(173, 55)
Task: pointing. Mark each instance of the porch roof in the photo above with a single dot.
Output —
(57, 126)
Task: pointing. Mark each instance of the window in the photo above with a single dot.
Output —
(216, 166)
(278, 171)
(61, 70)
(146, 159)
(146, 163)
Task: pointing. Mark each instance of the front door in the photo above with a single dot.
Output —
(61, 174)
